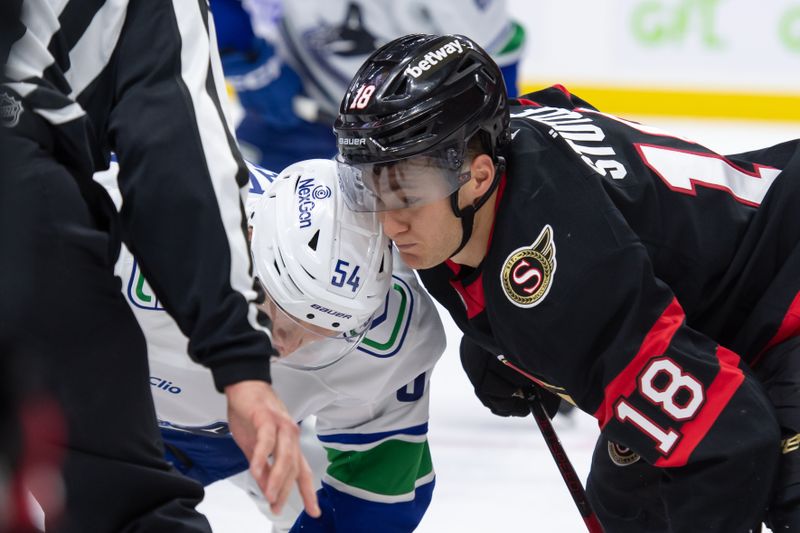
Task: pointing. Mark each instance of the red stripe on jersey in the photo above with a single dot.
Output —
(562, 89)
(525, 101)
(655, 343)
(471, 295)
(718, 394)
(790, 327)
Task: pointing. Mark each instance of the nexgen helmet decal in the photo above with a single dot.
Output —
(528, 272)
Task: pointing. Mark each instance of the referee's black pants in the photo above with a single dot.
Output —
(67, 310)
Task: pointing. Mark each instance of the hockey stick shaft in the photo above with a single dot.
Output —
(563, 463)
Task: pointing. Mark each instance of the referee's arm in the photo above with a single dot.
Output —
(182, 217)
(180, 177)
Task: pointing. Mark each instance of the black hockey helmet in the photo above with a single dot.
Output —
(413, 105)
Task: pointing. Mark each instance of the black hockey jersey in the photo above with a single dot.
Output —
(630, 270)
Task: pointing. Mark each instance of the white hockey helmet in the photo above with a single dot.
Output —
(320, 262)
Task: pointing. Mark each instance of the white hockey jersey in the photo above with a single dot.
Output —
(371, 407)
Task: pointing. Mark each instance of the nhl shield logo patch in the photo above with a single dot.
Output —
(621, 455)
(527, 273)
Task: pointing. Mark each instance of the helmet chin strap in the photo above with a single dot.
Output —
(467, 215)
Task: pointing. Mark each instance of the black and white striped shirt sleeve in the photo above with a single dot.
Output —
(182, 178)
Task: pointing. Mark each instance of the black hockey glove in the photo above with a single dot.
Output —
(503, 390)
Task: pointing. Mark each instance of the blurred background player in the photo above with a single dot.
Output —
(356, 343)
(290, 62)
(633, 272)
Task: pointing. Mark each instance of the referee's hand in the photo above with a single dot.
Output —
(262, 428)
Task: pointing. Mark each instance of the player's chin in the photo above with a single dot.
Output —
(410, 259)
(417, 260)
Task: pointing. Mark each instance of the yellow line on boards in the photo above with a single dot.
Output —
(684, 103)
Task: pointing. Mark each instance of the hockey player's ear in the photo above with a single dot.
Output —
(482, 170)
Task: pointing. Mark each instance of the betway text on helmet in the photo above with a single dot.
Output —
(434, 57)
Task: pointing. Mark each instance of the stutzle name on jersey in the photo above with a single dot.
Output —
(577, 128)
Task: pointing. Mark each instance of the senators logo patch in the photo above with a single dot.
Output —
(527, 273)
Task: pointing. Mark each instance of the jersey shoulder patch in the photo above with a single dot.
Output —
(138, 291)
(388, 330)
(527, 273)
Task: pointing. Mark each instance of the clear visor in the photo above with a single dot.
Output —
(306, 346)
(410, 182)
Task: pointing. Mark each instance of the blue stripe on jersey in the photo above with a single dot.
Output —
(343, 512)
(216, 429)
(366, 438)
(203, 457)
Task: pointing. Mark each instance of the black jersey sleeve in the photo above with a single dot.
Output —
(180, 178)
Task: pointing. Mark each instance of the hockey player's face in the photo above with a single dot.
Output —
(425, 235)
(403, 183)
(289, 334)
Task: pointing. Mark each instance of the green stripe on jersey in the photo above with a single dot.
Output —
(391, 468)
